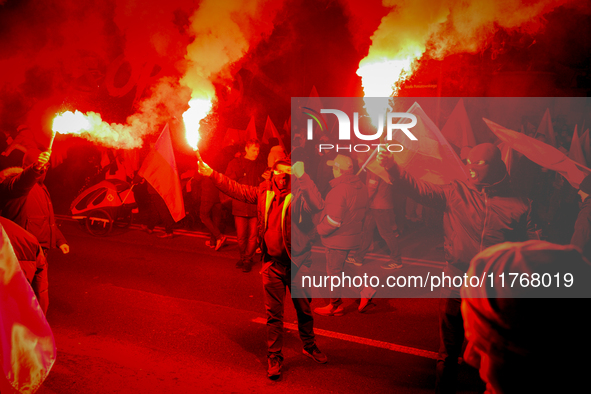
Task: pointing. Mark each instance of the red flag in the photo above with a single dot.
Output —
(576, 152)
(271, 132)
(314, 100)
(430, 158)
(159, 169)
(543, 154)
(508, 155)
(251, 130)
(232, 137)
(27, 345)
(457, 129)
(545, 128)
(585, 145)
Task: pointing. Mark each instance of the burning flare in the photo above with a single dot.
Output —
(71, 123)
(91, 127)
(198, 110)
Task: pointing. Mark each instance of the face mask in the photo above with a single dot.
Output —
(485, 165)
(281, 181)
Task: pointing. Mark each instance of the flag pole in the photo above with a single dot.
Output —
(368, 160)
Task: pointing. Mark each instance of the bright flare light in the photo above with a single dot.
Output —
(71, 123)
(198, 109)
(378, 80)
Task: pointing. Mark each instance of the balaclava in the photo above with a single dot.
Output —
(485, 165)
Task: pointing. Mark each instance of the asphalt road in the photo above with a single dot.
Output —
(132, 313)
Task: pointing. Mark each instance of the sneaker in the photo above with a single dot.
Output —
(315, 354)
(392, 265)
(330, 310)
(208, 243)
(165, 235)
(365, 304)
(247, 266)
(239, 263)
(220, 242)
(351, 260)
(274, 369)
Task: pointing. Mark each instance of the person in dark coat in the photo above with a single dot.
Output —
(477, 214)
(31, 259)
(246, 170)
(341, 225)
(582, 236)
(380, 215)
(516, 334)
(31, 207)
(272, 200)
(306, 202)
(16, 182)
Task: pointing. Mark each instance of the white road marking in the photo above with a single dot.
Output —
(363, 341)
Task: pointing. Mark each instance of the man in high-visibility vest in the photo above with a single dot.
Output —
(273, 200)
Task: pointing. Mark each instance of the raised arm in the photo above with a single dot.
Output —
(424, 193)
(21, 184)
(244, 193)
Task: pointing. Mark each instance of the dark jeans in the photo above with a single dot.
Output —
(382, 218)
(335, 263)
(210, 213)
(451, 339)
(246, 231)
(159, 212)
(275, 279)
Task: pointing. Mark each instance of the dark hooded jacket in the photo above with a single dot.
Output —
(306, 202)
(31, 209)
(582, 236)
(473, 220)
(345, 204)
(261, 197)
(245, 172)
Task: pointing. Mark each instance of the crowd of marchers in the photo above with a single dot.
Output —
(289, 201)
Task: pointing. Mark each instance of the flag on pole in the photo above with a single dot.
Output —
(287, 125)
(314, 101)
(576, 151)
(271, 132)
(251, 130)
(508, 155)
(160, 170)
(27, 345)
(540, 153)
(545, 128)
(457, 129)
(429, 158)
(585, 145)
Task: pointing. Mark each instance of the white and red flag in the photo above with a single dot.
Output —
(576, 151)
(540, 153)
(545, 128)
(251, 130)
(160, 170)
(27, 345)
(271, 132)
(457, 129)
